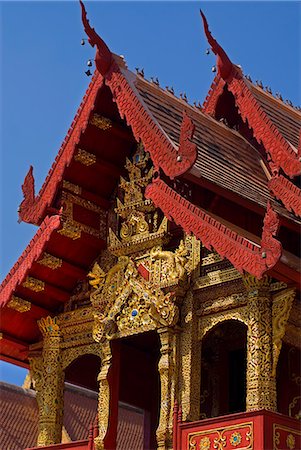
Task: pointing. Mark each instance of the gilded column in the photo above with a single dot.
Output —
(167, 371)
(51, 398)
(103, 395)
(190, 380)
(261, 383)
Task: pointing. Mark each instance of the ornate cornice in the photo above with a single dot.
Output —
(287, 192)
(238, 250)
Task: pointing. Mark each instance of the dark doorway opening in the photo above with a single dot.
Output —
(139, 391)
(223, 370)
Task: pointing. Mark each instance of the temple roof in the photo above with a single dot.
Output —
(185, 142)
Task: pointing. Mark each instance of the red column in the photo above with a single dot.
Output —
(110, 440)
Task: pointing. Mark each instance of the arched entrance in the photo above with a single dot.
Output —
(223, 369)
(139, 392)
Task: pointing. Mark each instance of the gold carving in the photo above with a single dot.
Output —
(70, 230)
(190, 351)
(217, 277)
(72, 187)
(261, 384)
(222, 303)
(167, 371)
(85, 158)
(205, 443)
(19, 304)
(287, 434)
(50, 261)
(48, 378)
(34, 284)
(208, 322)
(219, 439)
(281, 308)
(235, 439)
(104, 395)
(101, 122)
(211, 259)
(290, 441)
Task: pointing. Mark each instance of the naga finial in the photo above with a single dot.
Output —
(103, 57)
(224, 64)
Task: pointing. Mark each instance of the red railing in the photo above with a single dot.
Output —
(256, 430)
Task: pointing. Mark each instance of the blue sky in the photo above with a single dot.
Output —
(43, 80)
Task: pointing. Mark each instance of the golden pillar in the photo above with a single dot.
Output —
(190, 379)
(168, 378)
(103, 395)
(50, 385)
(261, 383)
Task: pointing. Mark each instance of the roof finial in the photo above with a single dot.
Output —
(224, 65)
(103, 57)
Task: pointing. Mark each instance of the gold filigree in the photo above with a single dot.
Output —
(219, 437)
(34, 284)
(50, 261)
(222, 303)
(290, 441)
(261, 384)
(85, 158)
(19, 304)
(205, 443)
(235, 439)
(208, 322)
(72, 187)
(48, 325)
(217, 277)
(101, 122)
(70, 230)
(281, 308)
(287, 433)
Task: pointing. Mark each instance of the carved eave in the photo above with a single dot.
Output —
(241, 252)
(278, 149)
(172, 160)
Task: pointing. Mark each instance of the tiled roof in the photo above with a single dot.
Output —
(224, 158)
(19, 415)
(285, 117)
(19, 418)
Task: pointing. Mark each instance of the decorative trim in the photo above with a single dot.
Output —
(85, 158)
(34, 284)
(288, 439)
(287, 192)
(208, 322)
(216, 277)
(216, 90)
(220, 436)
(238, 250)
(163, 152)
(19, 304)
(276, 146)
(50, 261)
(101, 122)
(29, 256)
(72, 187)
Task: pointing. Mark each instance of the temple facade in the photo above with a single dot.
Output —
(165, 271)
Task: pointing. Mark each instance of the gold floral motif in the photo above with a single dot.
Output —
(235, 439)
(205, 443)
(85, 158)
(19, 304)
(34, 284)
(50, 261)
(101, 122)
(290, 441)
